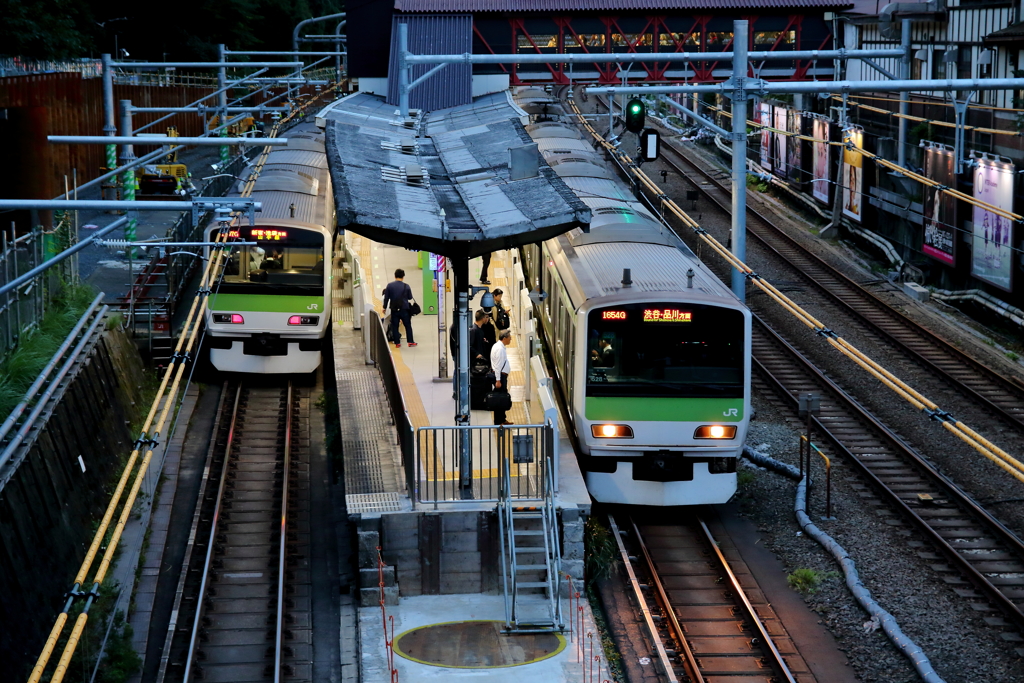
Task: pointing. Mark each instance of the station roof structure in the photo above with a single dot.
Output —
(605, 5)
(443, 186)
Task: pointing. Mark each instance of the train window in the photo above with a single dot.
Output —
(665, 349)
(289, 261)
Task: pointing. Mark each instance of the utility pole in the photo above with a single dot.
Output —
(739, 154)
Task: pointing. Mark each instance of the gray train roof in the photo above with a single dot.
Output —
(392, 186)
(623, 232)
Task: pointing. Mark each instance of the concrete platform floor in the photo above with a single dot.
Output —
(567, 666)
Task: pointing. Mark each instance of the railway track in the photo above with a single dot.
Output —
(244, 612)
(972, 551)
(707, 617)
(1001, 396)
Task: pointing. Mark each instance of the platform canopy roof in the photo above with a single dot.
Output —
(443, 186)
(608, 5)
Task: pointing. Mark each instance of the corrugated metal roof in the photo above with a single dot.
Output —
(653, 268)
(434, 35)
(605, 5)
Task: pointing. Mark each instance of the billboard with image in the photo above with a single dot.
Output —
(820, 186)
(765, 117)
(794, 147)
(992, 256)
(853, 177)
(939, 207)
(779, 144)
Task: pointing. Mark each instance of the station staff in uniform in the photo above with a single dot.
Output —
(501, 368)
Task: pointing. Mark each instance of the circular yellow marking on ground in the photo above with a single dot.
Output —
(475, 645)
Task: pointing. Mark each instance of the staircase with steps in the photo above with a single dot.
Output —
(531, 561)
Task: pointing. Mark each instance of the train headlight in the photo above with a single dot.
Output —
(304, 320)
(612, 431)
(715, 432)
(228, 318)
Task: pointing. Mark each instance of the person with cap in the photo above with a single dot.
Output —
(501, 369)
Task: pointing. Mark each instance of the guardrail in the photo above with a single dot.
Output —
(380, 354)
(440, 477)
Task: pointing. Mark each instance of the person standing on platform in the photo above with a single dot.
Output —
(483, 271)
(501, 368)
(399, 295)
(479, 341)
(499, 313)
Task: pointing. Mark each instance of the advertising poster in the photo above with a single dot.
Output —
(765, 114)
(853, 178)
(794, 148)
(779, 143)
(992, 258)
(939, 207)
(820, 188)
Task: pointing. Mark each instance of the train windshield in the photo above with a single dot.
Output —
(284, 261)
(665, 349)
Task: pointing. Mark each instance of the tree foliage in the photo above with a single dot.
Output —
(65, 29)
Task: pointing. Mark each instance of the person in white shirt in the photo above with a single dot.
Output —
(501, 368)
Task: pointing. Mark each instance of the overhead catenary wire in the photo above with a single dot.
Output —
(145, 447)
(979, 443)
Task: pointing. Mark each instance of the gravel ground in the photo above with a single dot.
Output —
(960, 645)
(956, 637)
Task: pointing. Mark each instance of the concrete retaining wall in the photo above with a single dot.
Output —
(49, 508)
(445, 552)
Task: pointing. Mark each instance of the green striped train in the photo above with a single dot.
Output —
(271, 309)
(655, 365)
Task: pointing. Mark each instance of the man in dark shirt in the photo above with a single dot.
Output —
(479, 341)
(398, 295)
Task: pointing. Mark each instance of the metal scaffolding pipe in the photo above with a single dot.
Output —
(739, 155)
(901, 136)
(204, 98)
(762, 87)
(236, 204)
(123, 140)
(695, 116)
(632, 57)
(271, 53)
(201, 109)
(200, 65)
(307, 22)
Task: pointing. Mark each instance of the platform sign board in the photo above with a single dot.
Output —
(939, 207)
(765, 117)
(853, 177)
(794, 147)
(779, 146)
(992, 257)
(820, 131)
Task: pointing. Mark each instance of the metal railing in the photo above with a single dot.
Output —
(439, 477)
(380, 354)
(22, 309)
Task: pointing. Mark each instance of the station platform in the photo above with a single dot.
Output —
(430, 559)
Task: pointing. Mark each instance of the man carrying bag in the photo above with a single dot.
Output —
(500, 400)
(399, 295)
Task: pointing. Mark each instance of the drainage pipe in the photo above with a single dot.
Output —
(985, 299)
(887, 621)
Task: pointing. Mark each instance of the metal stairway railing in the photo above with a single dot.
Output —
(517, 559)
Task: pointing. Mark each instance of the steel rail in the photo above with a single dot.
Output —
(652, 630)
(997, 381)
(279, 636)
(751, 613)
(690, 663)
(903, 450)
(211, 542)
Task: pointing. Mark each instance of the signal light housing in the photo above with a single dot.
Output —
(715, 432)
(611, 431)
(304, 320)
(228, 318)
(636, 112)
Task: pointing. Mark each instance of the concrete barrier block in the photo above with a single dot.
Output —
(400, 539)
(371, 577)
(572, 532)
(916, 291)
(572, 551)
(460, 563)
(573, 568)
(370, 597)
(570, 515)
(400, 521)
(368, 542)
(468, 582)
